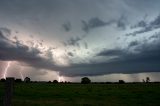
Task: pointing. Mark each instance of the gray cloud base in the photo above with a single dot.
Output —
(46, 19)
(146, 60)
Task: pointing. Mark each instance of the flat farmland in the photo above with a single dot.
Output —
(49, 94)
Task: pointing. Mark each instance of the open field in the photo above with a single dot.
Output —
(45, 94)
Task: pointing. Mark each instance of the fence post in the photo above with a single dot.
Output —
(9, 86)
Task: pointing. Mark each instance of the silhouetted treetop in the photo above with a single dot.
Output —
(85, 80)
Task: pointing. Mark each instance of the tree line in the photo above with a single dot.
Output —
(84, 80)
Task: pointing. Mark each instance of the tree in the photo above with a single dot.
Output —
(85, 80)
(3, 80)
(18, 80)
(143, 81)
(147, 79)
(27, 79)
(55, 81)
(121, 81)
(49, 81)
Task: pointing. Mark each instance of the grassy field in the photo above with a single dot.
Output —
(45, 94)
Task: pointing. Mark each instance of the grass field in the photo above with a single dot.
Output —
(45, 94)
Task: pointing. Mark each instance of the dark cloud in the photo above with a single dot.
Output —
(155, 36)
(145, 29)
(121, 22)
(73, 41)
(70, 54)
(146, 59)
(67, 26)
(42, 19)
(121, 25)
(16, 51)
(85, 45)
(112, 52)
(133, 43)
(94, 23)
(85, 26)
(141, 23)
(5, 31)
(155, 24)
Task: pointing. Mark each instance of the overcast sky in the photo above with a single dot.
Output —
(106, 40)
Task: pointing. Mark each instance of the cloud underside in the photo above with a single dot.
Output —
(110, 68)
(96, 22)
(145, 58)
(145, 26)
(16, 51)
(146, 61)
(136, 58)
(67, 26)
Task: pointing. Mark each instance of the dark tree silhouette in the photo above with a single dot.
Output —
(85, 80)
(49, 81)
(55, 81)
(147, 79)
(27, 80)
(121, 81)
(143, 81)
(18, 80)
(3, 80)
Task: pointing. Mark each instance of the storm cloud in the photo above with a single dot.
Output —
(67, 26)
(146, 27)
(15, 51)
(94, 23)
(80, 37)
(145, 59)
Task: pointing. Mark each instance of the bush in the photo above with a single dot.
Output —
(121, 81)
(49, 81)
(3, 80)
(55, 81)
(27, 80)
(85, 80)
(147, 79)
(18, 80)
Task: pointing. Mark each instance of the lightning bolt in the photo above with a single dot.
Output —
(22, 77)
(6, 69)
(60, 78)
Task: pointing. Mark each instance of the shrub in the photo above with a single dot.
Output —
(18, 80)
(85, 80)
(147, 79)
(121, 81)
(27, 80)
(3, 80)
(55, 81)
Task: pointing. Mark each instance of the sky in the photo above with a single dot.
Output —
(105, 40)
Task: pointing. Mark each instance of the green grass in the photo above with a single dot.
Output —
(44, 94)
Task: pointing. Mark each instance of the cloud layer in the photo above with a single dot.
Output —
(81, 38)
(15, 51)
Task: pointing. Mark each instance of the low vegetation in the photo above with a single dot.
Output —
(54, 94)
